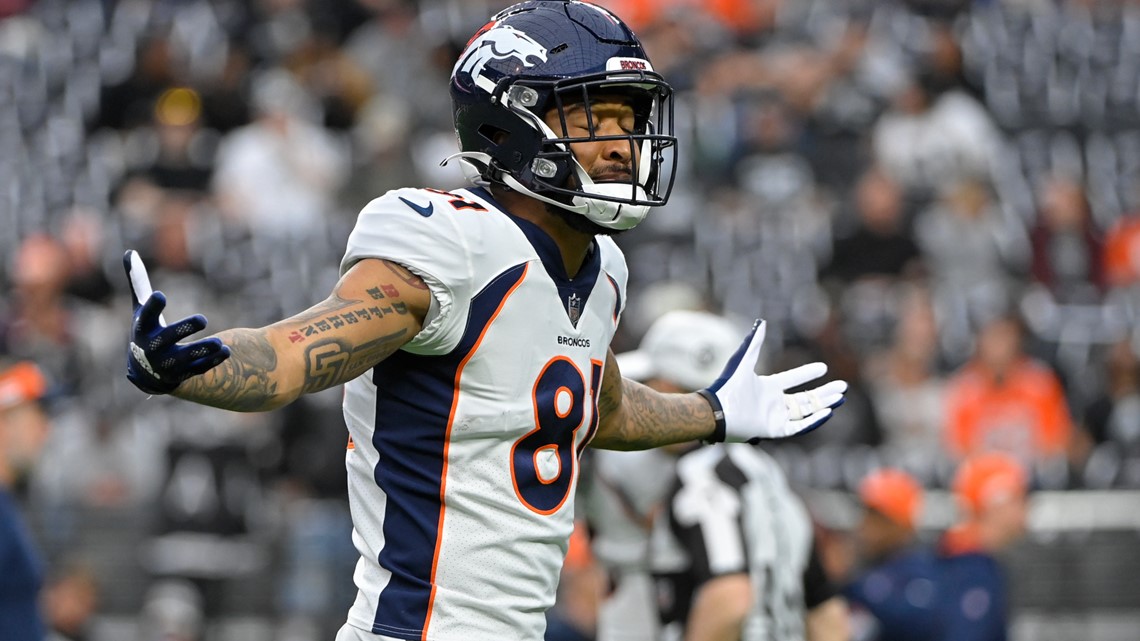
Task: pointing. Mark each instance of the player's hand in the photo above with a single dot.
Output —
(156, 362)
(754, 407)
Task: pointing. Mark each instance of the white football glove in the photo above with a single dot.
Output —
(750, 407)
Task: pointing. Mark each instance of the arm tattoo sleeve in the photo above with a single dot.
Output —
(653, 419)
(250, 381)
(331, 361)
(244, 382)
(636, 417)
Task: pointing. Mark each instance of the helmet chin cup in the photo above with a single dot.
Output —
(609, 214)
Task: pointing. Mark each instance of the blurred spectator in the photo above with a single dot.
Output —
(83, 235)
(381, 140)
(892, 503)
(1114, 417)
(892, 599)
(744, 18)
(23, 433)
(928, 139)
(183, 162)
(862, 71)
(975, 251)
(1067, 248)
(208, 507)
(128, 104)
(942, 59)
(858, 424)
(407, 58)
(991, 493)
(161, 198)
(71, 600)
(1003, 400)
(1122, 252)
(906, 385)
(172, 611)
(102, 462)
(968, 241)
(333, 79)
(40, 320)
(880, 246)
(278, 175)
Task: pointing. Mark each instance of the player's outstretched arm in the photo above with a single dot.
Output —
(741, 405)
(637, 417)
(376, 307)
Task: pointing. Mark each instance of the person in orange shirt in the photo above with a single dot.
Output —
(1122, 252)
(1003, 400)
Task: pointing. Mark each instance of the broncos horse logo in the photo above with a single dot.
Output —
(499, 43)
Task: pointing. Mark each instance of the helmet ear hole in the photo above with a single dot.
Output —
(494, 135)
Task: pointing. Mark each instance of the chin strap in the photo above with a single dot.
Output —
(607, 213)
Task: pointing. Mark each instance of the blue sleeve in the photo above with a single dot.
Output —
(974, 607)
(20, 580)
(901, 596)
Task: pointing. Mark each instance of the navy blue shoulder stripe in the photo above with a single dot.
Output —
(617, 295)
(414, 397)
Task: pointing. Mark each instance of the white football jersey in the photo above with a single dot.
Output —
(465, 442)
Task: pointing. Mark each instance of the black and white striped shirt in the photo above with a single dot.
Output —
(731, 511)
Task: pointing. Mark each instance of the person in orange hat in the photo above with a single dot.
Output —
(23, 432)
(892, 599)
(892, 505)
(992, 491)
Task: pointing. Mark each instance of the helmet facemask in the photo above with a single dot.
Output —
(557, 177)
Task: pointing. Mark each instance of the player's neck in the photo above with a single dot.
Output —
(574, 245)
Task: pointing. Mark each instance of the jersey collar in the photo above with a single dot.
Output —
(574, 292)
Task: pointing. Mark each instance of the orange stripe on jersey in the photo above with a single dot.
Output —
(596, 369)
(617, 297)
(351, 444)
(447, 445)
(537, 428)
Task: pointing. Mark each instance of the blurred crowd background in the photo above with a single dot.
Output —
(929, 195)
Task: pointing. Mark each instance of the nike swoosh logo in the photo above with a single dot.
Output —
(420, 209)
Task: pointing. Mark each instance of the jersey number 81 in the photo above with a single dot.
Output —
(542, 461)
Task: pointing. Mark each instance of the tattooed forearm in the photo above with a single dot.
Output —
(654, 419)
(336, 313)
(639, 418)
(245, 382)
(331, 306)
(331, 361)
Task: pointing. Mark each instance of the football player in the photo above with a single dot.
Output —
(471, 330)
